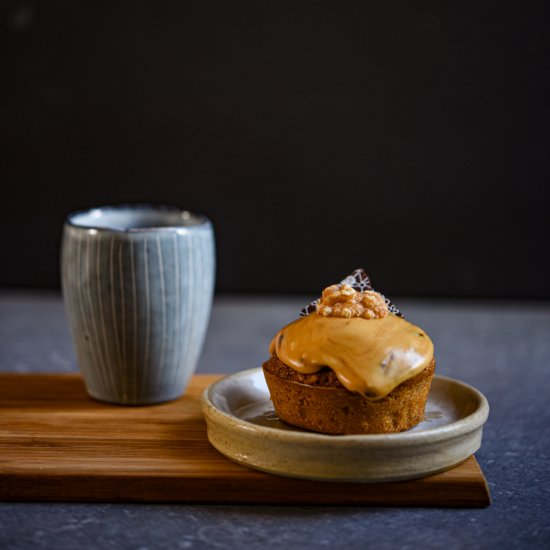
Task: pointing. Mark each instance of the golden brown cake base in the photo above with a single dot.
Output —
(321, 404)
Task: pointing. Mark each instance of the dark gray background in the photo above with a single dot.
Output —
(410, 138)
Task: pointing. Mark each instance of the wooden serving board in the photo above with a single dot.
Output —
(57, 444)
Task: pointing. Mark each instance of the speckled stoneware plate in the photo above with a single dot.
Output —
(243, 426)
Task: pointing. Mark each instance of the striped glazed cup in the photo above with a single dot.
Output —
(137, 283)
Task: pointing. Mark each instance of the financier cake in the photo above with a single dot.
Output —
(351, 364)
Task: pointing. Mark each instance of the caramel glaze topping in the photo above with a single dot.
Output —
(369, 356)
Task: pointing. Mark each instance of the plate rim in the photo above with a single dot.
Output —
(452, 430)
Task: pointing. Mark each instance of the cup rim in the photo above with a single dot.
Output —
(201, 219)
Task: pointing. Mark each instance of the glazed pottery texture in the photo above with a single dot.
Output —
(242, 425)
(138, 284)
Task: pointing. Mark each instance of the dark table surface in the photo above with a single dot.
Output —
(502, 348)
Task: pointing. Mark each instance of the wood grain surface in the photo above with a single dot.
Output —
(57, 444)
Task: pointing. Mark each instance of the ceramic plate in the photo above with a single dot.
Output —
(243, 426)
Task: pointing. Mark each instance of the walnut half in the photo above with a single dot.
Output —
(342, 300)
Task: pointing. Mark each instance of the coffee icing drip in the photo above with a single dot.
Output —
(368, 356)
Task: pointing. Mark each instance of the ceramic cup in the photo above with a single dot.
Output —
(137, 283)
